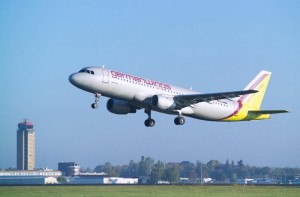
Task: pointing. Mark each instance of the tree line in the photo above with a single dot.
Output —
(228, 172)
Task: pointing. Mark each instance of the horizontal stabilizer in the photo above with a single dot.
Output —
(261, 112)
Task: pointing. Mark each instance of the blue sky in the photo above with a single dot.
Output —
(211, 46)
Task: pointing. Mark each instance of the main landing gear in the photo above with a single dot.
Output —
(95, 105)
(149, 122)
(179, 120)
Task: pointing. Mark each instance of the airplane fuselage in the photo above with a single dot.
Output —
(135, 90)
(129, 93)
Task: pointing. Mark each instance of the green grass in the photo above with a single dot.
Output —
(147, 191)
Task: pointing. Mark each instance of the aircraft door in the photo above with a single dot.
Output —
(105, 78)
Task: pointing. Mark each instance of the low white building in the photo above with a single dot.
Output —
(26, 173)
(85, 180)
(120, 180)
(21, 180)
(100, 178)
(31, 177)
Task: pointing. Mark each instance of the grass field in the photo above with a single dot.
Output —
(147, 191)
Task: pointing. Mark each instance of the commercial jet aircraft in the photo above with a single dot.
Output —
(129, 93)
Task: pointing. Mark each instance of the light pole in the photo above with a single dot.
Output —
(201, 174)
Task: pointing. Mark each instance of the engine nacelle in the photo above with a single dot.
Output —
(119, 107)
(161, 102)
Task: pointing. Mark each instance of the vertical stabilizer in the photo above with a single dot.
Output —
(259, 83)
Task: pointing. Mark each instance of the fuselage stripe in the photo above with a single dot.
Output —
(239, 107)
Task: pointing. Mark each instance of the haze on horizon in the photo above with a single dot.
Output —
(212, 46)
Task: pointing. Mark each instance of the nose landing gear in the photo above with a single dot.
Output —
(95, 105)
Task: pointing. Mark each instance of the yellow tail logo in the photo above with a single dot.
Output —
(259, 83)
(251, 103)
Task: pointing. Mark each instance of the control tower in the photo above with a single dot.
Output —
(25, 146)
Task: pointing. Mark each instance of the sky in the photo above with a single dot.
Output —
(211, 46)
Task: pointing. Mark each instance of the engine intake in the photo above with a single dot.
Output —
(119, 107)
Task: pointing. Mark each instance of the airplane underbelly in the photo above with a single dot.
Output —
(208, 111)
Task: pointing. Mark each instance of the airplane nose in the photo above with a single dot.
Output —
(73, 79)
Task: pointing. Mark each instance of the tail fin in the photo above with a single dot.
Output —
(259, 83)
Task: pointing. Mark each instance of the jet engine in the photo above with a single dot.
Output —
(119, 107)
(163, 103)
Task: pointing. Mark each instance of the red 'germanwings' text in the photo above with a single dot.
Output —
(115, 74)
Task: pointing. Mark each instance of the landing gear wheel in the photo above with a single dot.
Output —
(149, 123)
(179, 120)
(94, 105)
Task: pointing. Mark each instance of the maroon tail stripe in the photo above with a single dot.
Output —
(254, 86)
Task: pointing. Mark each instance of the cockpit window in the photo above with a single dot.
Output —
(85, 70)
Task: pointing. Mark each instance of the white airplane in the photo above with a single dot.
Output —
(129, 93)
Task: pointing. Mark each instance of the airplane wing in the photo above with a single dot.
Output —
(261, 112)
(190, 99)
